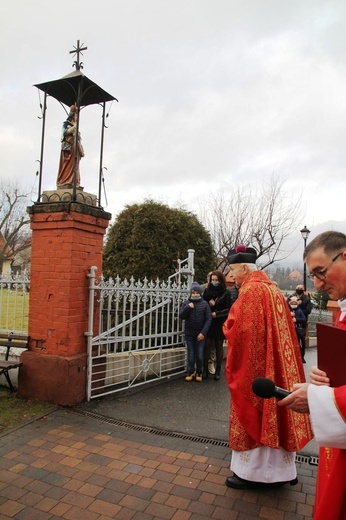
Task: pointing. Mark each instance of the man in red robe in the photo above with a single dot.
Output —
(325, 257)
(262, 342)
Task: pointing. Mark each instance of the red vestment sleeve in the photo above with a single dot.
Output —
(340, 400)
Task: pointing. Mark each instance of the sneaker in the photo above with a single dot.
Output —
(199, 377)
(211, 367)
(191, 376)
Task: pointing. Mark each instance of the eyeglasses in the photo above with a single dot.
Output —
(321, 275)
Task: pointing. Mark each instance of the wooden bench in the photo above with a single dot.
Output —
(11, 340)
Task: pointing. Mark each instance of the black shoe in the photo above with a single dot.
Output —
(236, 482)
(304, 360)
(205, 373)
(217, 374)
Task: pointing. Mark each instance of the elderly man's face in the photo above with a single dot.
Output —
(333, 279)
(240, 273)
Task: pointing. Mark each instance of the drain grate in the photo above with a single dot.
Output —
(306, 459)
(148, 429)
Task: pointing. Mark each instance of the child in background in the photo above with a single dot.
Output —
(299, 320)
(197, 315)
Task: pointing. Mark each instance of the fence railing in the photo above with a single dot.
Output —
(14, 302)
(318, 316)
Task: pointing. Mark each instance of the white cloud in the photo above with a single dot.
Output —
(211, 93)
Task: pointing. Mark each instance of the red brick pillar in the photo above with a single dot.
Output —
(333, 307)
(67, 239)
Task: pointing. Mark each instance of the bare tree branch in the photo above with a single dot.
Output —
(14, 221)
(260, 217)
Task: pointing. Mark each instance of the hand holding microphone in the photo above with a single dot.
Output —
(297, 401)
(264, 387)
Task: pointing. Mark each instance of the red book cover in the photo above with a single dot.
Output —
(331, 352)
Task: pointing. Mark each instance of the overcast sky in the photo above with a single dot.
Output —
(212, 93)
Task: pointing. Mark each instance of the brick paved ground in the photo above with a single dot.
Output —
(75, 467)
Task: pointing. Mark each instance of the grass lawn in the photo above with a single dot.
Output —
(14, 310)
(16, 411)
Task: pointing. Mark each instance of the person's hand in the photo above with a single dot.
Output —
(213, 314)
(318, 377)
(192, 305)
(298, 398)
(200, 337)
(211, 303)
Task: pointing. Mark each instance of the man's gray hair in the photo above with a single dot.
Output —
(330, 241)
(252, 267)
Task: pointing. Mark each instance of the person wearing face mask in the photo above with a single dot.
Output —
(197, 315)
(305, 305)
(220, 300)
(299, 321)
(304, 301)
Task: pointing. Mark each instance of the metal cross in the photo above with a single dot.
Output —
(78, 50)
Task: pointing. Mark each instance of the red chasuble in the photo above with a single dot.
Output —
(262, 342)
(330, 500)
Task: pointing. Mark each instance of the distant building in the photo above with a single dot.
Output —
(295, 276)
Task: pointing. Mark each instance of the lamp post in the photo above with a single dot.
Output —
(305, 232)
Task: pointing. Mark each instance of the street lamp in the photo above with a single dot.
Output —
(305, 232)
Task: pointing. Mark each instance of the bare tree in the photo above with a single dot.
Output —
(14, 221)
(261, 217)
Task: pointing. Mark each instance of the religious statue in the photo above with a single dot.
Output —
(69, 154)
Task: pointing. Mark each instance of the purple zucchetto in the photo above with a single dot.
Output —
(242, 255)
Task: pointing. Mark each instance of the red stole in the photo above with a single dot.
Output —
(330, 500)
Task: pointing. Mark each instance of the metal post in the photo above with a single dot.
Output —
(305, 266)
(305, 232)
(191, 259)
(101, 150)
(42, 146)
(90, 330)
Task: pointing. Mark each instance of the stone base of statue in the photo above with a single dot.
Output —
(65, 194)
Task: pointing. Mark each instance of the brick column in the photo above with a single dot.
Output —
(67, 239)
(333, 307)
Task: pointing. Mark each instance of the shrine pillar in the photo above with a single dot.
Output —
(67, 239)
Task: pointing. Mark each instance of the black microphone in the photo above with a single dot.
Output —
(266, 388)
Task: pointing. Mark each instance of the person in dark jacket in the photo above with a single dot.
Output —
(305, 305)
(299, 321)
(197, 315)
(220, 300)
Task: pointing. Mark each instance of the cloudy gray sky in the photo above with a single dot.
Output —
(212, 93)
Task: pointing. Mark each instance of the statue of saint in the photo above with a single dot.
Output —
(67, 155)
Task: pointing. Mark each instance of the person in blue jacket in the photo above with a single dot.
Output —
(197, 315)
(299, 320)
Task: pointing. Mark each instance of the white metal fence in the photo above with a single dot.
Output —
(140, 335)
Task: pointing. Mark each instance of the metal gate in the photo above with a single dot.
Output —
(140, 334)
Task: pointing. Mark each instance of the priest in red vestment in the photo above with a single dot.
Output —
(325, 257)
(262, 342)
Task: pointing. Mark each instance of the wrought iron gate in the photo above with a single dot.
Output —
(140, 334)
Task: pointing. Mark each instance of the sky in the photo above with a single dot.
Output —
(212, 94)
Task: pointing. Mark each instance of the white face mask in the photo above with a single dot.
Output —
(294, 306)
(215, 283)
(195, 298)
